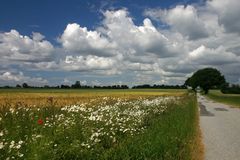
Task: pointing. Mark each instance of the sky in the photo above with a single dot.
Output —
(108, 42)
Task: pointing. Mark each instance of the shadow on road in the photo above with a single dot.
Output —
(220, 109)
(203, 111)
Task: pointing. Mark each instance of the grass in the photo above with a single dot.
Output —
(230, 99)
(170, 136)
(99, 124)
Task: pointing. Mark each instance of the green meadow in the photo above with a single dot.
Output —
(230, 99)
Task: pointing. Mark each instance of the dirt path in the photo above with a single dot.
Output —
(220, 127)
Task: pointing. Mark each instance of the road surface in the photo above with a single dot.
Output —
(220, 126)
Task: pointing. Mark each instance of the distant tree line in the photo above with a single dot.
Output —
(155, 86)
(230, 89)
(76, 85)
(112, 87)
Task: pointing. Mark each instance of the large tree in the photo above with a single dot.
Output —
(206, 78)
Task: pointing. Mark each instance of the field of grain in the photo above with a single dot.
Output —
(97, 124)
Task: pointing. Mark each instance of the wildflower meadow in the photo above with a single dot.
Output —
(103, 127)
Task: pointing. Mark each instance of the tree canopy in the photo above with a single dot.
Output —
(206, 78)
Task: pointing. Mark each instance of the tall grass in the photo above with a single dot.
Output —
(169, 136)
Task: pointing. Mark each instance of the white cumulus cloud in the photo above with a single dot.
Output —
(11, 78)
(80, 40)
(186, 38)
(16, 47)
(183, 19)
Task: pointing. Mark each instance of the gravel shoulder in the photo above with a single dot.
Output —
(220, 126)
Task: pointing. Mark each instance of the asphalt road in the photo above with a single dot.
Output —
(220, 126)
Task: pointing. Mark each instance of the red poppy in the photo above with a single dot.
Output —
(40, 121)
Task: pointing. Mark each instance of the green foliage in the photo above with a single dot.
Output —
(206, 78)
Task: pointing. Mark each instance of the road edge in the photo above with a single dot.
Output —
(197, 145)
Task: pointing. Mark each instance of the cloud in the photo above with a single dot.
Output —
(118, 35)
(45, 66)
(217, 45)
(11, 78)
(136, 40)
(77, 39)
(87, 63)
(116, 46)
(228, 13)
(118, 49)
(218, 56)
(96, 83)
(16, 47)
(184, 20)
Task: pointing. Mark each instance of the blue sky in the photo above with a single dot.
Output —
(51, 17)
(117, 41)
